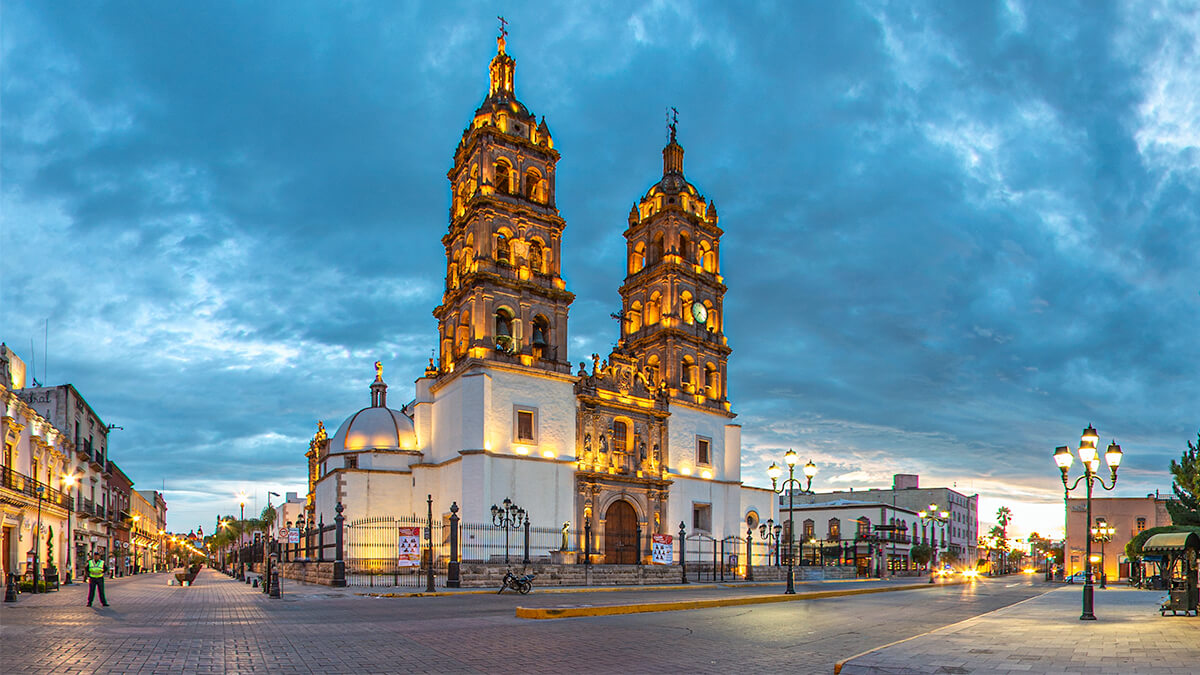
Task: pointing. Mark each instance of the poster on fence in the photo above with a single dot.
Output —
(661, 551)
(410, 547)
(293, 535)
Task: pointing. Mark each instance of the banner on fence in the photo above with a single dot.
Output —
(410, 547)
(661, 549)
(293, 535)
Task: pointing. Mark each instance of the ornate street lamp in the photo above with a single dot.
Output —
(1103, 533)
(810, 470)
(1091, 468)
(69, 481)
(241, 537)
(934, 517)
(770, 533)
(509, 517)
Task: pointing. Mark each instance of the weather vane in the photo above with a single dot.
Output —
(503, 27)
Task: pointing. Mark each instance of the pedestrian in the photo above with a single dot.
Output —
(95, 569)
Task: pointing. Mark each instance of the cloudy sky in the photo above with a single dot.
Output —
(956, 233)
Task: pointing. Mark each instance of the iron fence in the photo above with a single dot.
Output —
(373, 552)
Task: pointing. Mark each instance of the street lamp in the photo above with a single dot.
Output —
(241, 536)
(810, 470)
(507, 517)
(69, 481)
(934, 517)
(770, 533)
(1103, 533)
(37, 541)
(1091, 468)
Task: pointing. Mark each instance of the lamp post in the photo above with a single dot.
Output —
(934, 517)
(37, 541)
(136, 518)
(1091, 468)
(1103, 533)
(810, 470)
(508, 517)
(69, 481)
(241, 536)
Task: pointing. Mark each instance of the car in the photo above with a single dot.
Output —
(1078, 577)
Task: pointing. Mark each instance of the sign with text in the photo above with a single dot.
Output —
(293, 535)
(410, 547)
(660, 549)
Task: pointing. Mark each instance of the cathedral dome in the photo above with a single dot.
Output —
(376, 427)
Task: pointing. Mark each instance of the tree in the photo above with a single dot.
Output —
(1003, 517)
(921, 554)
(50, 546)
(1185, 508)
(949, 557)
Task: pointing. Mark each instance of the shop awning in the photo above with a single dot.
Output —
(1172, 542)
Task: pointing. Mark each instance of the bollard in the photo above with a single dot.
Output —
(10, 590)
(276, 592)
(255, 583)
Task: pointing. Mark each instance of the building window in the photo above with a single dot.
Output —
(703, 451)
(809, 529)
(620, 435)
(835, 528)
(1141, 525)
(525, 425)
(864, 526)
(351, 461)
(702, 517)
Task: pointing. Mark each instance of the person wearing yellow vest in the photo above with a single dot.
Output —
(95, 572)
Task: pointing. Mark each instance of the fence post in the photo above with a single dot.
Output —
(714, 569)
(638, 538)
(429, 544)
(722, 561)
(526, 560)
(749, 554)
(452, 578)
(339, 565)
(587, 541)
(321, 539)
(682, 554)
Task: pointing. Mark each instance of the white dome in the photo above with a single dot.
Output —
(374, 428)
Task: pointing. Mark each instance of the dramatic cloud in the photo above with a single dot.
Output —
(955, 233)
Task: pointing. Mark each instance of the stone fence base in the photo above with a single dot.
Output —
(311, 572)
(490, 575)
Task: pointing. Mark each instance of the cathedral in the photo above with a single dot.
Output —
(641, 440)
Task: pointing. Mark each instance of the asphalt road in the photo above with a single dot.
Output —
(220, 625)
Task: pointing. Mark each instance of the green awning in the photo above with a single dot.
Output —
(1171, 542)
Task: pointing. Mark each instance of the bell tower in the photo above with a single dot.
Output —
(672, 301)
(504, 299)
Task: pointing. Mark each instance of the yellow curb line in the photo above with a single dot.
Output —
(597, 589)
(681, 605)
(837, 667)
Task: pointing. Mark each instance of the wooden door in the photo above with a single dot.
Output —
(620, 534)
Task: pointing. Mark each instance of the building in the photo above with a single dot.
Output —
(961, 531)
(120, 520)
(290, 513)
(848, 532)
(643, 441)
(143, 531)
(1128, 516)
(35, 504)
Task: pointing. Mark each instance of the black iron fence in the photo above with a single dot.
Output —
(314, 544)
(19, 482)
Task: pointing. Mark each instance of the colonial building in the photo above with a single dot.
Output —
(641, 440)
(1126, 517)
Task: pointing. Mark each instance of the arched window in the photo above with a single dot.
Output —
(533, 186)
(452, 276)
(653, 309)
(710, 321)
(835, 529)
(708, 258)
(652, 369)
(687, 375)
(809, 529)
(541, 332)
(462, 335)
(504, 320)
(637, 261)
(864, 526)
(503, 248)
(656, 248)
(712, 381)
(685, 246)
(537, 258)
(685, 306)
(503, 176)
(634, 317)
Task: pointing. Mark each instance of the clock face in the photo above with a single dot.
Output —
(699, 311)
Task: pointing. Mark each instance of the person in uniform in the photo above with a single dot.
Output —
(95, 571)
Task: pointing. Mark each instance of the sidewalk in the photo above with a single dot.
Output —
(1044, 635)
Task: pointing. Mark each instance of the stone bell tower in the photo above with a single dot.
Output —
(504, 299)
(672, 301)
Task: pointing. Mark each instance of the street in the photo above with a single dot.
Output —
(221, 625)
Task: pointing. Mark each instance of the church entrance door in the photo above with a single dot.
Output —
(620, 534)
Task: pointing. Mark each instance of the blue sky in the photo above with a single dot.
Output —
(956, 233)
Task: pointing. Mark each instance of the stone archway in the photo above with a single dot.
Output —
(620, 534)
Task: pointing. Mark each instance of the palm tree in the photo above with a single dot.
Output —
(1004, 517)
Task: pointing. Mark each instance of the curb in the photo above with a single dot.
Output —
(539, 613)
(837, 667)
(596, 589)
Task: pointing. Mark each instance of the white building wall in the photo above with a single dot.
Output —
(685, 425)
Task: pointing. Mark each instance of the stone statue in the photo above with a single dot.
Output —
(566, 537)
(595, 364)
(582, 369)
(603, 444)
(379, 371)
(587, 443)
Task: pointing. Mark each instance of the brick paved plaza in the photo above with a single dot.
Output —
(221, 625)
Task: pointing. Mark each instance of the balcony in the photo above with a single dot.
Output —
(28, 487)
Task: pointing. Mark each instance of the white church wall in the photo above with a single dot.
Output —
(760, 501)
(544, 488)
(554, 400)
(686, 424)
(732, 452)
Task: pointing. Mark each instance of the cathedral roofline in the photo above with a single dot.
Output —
(474, 367)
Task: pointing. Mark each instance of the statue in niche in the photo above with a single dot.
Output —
(587, 443)
(642, 452)
(603, 444)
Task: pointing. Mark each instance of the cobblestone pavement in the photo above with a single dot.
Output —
(1044, 635)
(220, 625)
